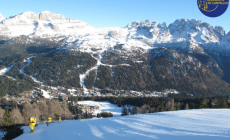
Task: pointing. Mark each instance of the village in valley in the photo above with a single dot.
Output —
(63, 93)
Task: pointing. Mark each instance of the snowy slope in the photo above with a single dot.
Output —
(211, 124)
(103, 107)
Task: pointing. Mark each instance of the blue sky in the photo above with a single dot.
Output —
(116, 13)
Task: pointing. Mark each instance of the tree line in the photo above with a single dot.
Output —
(164, 103)
(41, 110)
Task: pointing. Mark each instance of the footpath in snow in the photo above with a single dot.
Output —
(204, 124)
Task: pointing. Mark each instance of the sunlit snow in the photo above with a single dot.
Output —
(203, 124)
(5, 70)
(103, 107)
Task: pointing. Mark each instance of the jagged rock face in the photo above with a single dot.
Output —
(200, 30)
(133, 24)
(112, 33)
(48, 16)
(179, 26)
(155, 29)
(219, 30)
(149, 32)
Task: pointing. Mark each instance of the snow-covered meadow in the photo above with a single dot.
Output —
(211, 124)
(104, 106)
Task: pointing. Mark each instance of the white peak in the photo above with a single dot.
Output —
(147, 21)
(46, 12)
(133, 24)
(28, 12)
(194, 19)
(182, 20)
(1, 17)
(136, 22)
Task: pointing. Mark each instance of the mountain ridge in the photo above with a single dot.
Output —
(119, 52)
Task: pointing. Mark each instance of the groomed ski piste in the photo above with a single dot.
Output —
(202, 124)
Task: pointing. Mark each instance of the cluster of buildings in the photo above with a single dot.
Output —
(24, 97)
(122, 93)
(63, 93)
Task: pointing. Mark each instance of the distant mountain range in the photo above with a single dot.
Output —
(188, 55)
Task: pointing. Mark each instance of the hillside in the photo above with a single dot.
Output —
(200, 124)
(190, 56)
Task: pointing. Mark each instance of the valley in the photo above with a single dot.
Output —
(142, 59)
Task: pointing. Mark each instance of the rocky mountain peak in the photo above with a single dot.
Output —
(48, 16)
(227, 36)
(146, 24)
(219, 30)
(133, 24)
(184, 25)
(147, 21)
(29, 15)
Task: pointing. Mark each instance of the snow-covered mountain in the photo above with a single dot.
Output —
(43, 24)
(133, 45)
(183, 34)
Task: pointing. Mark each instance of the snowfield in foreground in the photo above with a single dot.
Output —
(210, 124)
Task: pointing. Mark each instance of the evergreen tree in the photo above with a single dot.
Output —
(124, 111)
(177, 106)
(98, 115)
(202, 103)
(162, 108)
(224, 104)
(134, 110)
(7, 119)
(119, 103)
